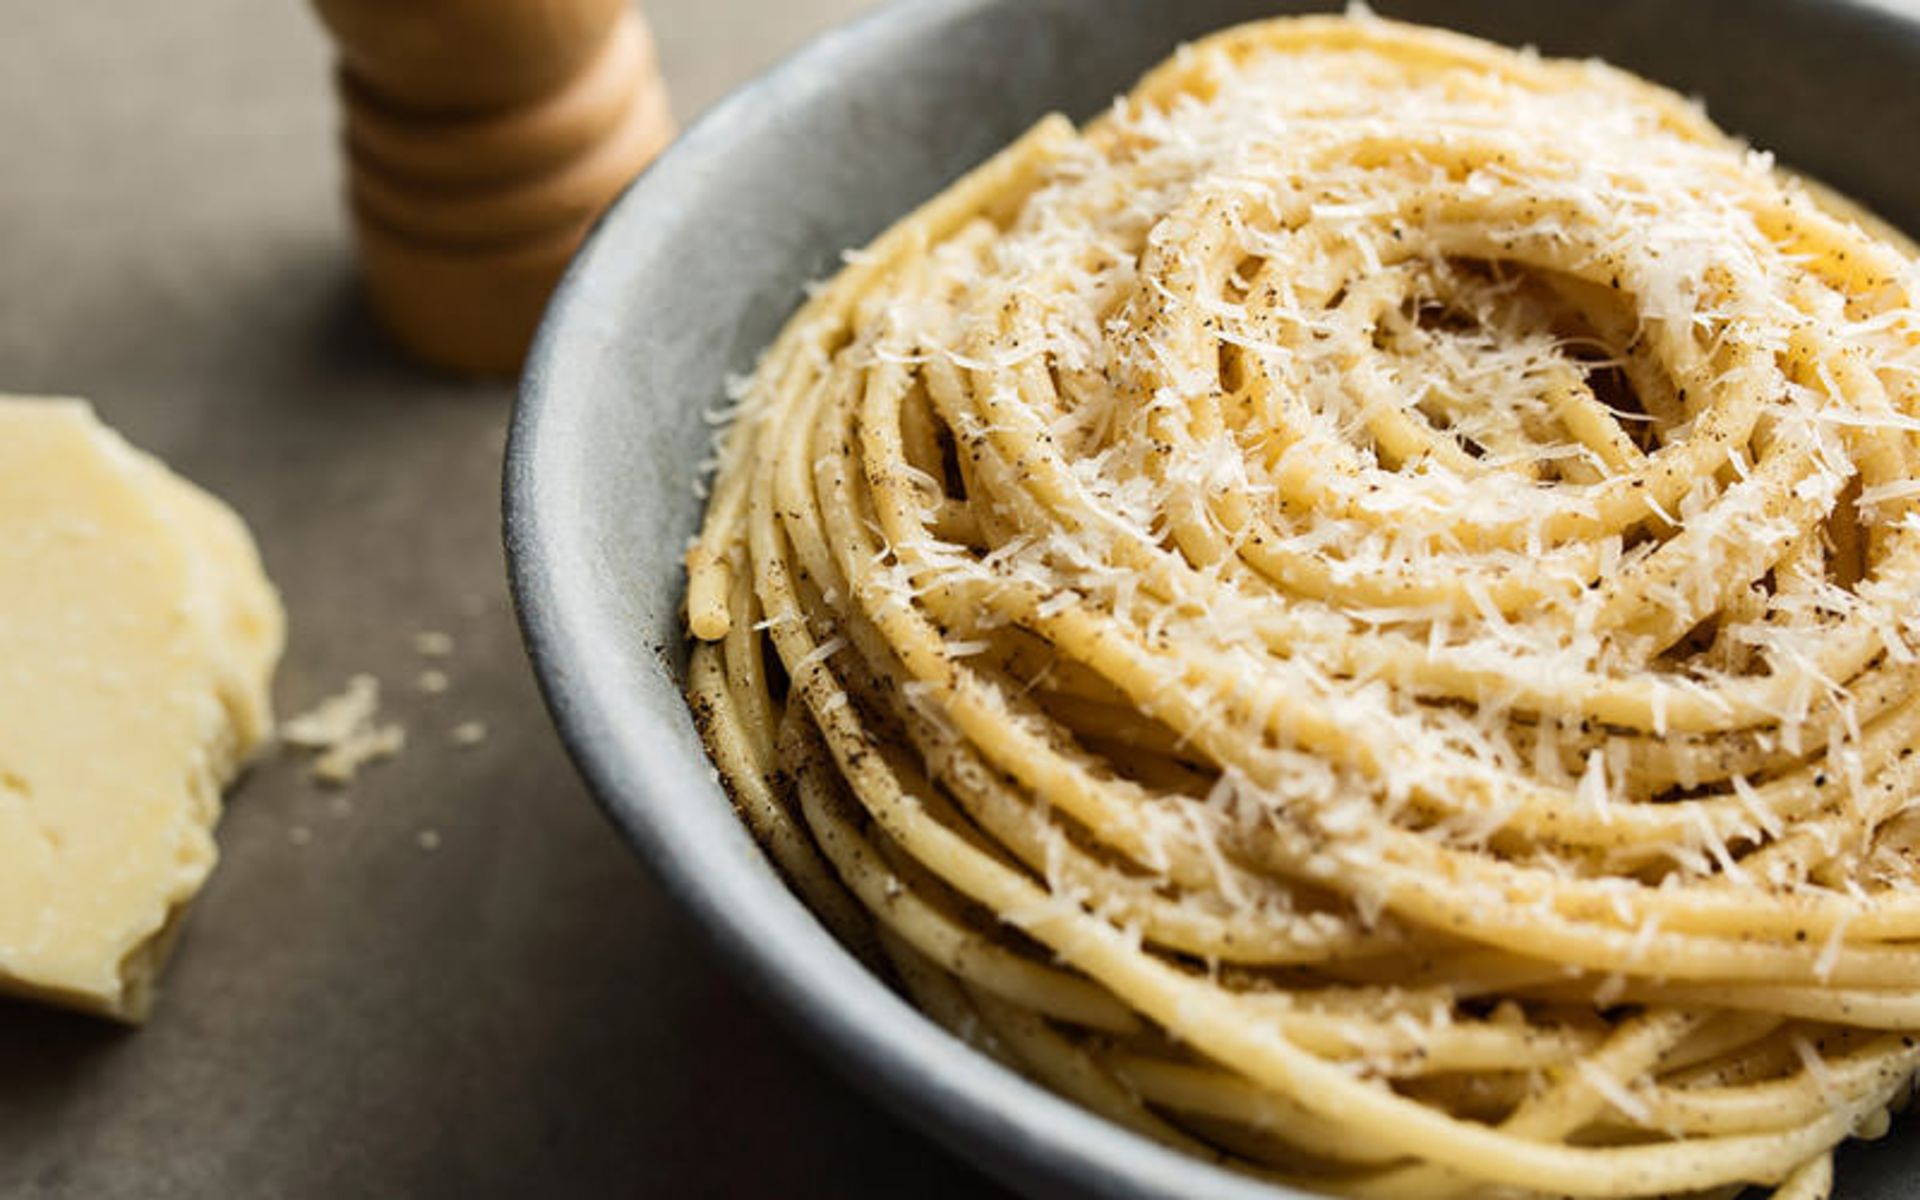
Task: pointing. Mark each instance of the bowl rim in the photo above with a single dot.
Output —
(1023, 1134)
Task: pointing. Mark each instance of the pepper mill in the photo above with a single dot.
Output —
(482, 138)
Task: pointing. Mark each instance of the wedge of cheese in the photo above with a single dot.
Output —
(138, 638)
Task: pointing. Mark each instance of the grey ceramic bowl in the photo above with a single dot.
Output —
(692, 273)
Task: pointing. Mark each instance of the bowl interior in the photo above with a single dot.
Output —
(693, 271)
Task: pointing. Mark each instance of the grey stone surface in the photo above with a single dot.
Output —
(517, 1012)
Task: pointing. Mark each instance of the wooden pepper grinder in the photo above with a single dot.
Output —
(482, 139)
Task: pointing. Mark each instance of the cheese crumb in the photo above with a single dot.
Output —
(431, 643)
(468, 734)
(334, 719)
(341, 763)
(343, 731)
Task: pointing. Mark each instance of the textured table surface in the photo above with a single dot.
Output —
(513, 1011)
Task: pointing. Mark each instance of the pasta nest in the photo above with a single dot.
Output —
(1358, 617)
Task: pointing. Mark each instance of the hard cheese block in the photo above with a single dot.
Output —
(138, 638)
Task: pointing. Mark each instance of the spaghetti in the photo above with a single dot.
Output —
(1358, 617)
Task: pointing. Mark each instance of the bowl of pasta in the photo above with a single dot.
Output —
(1232, 599)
